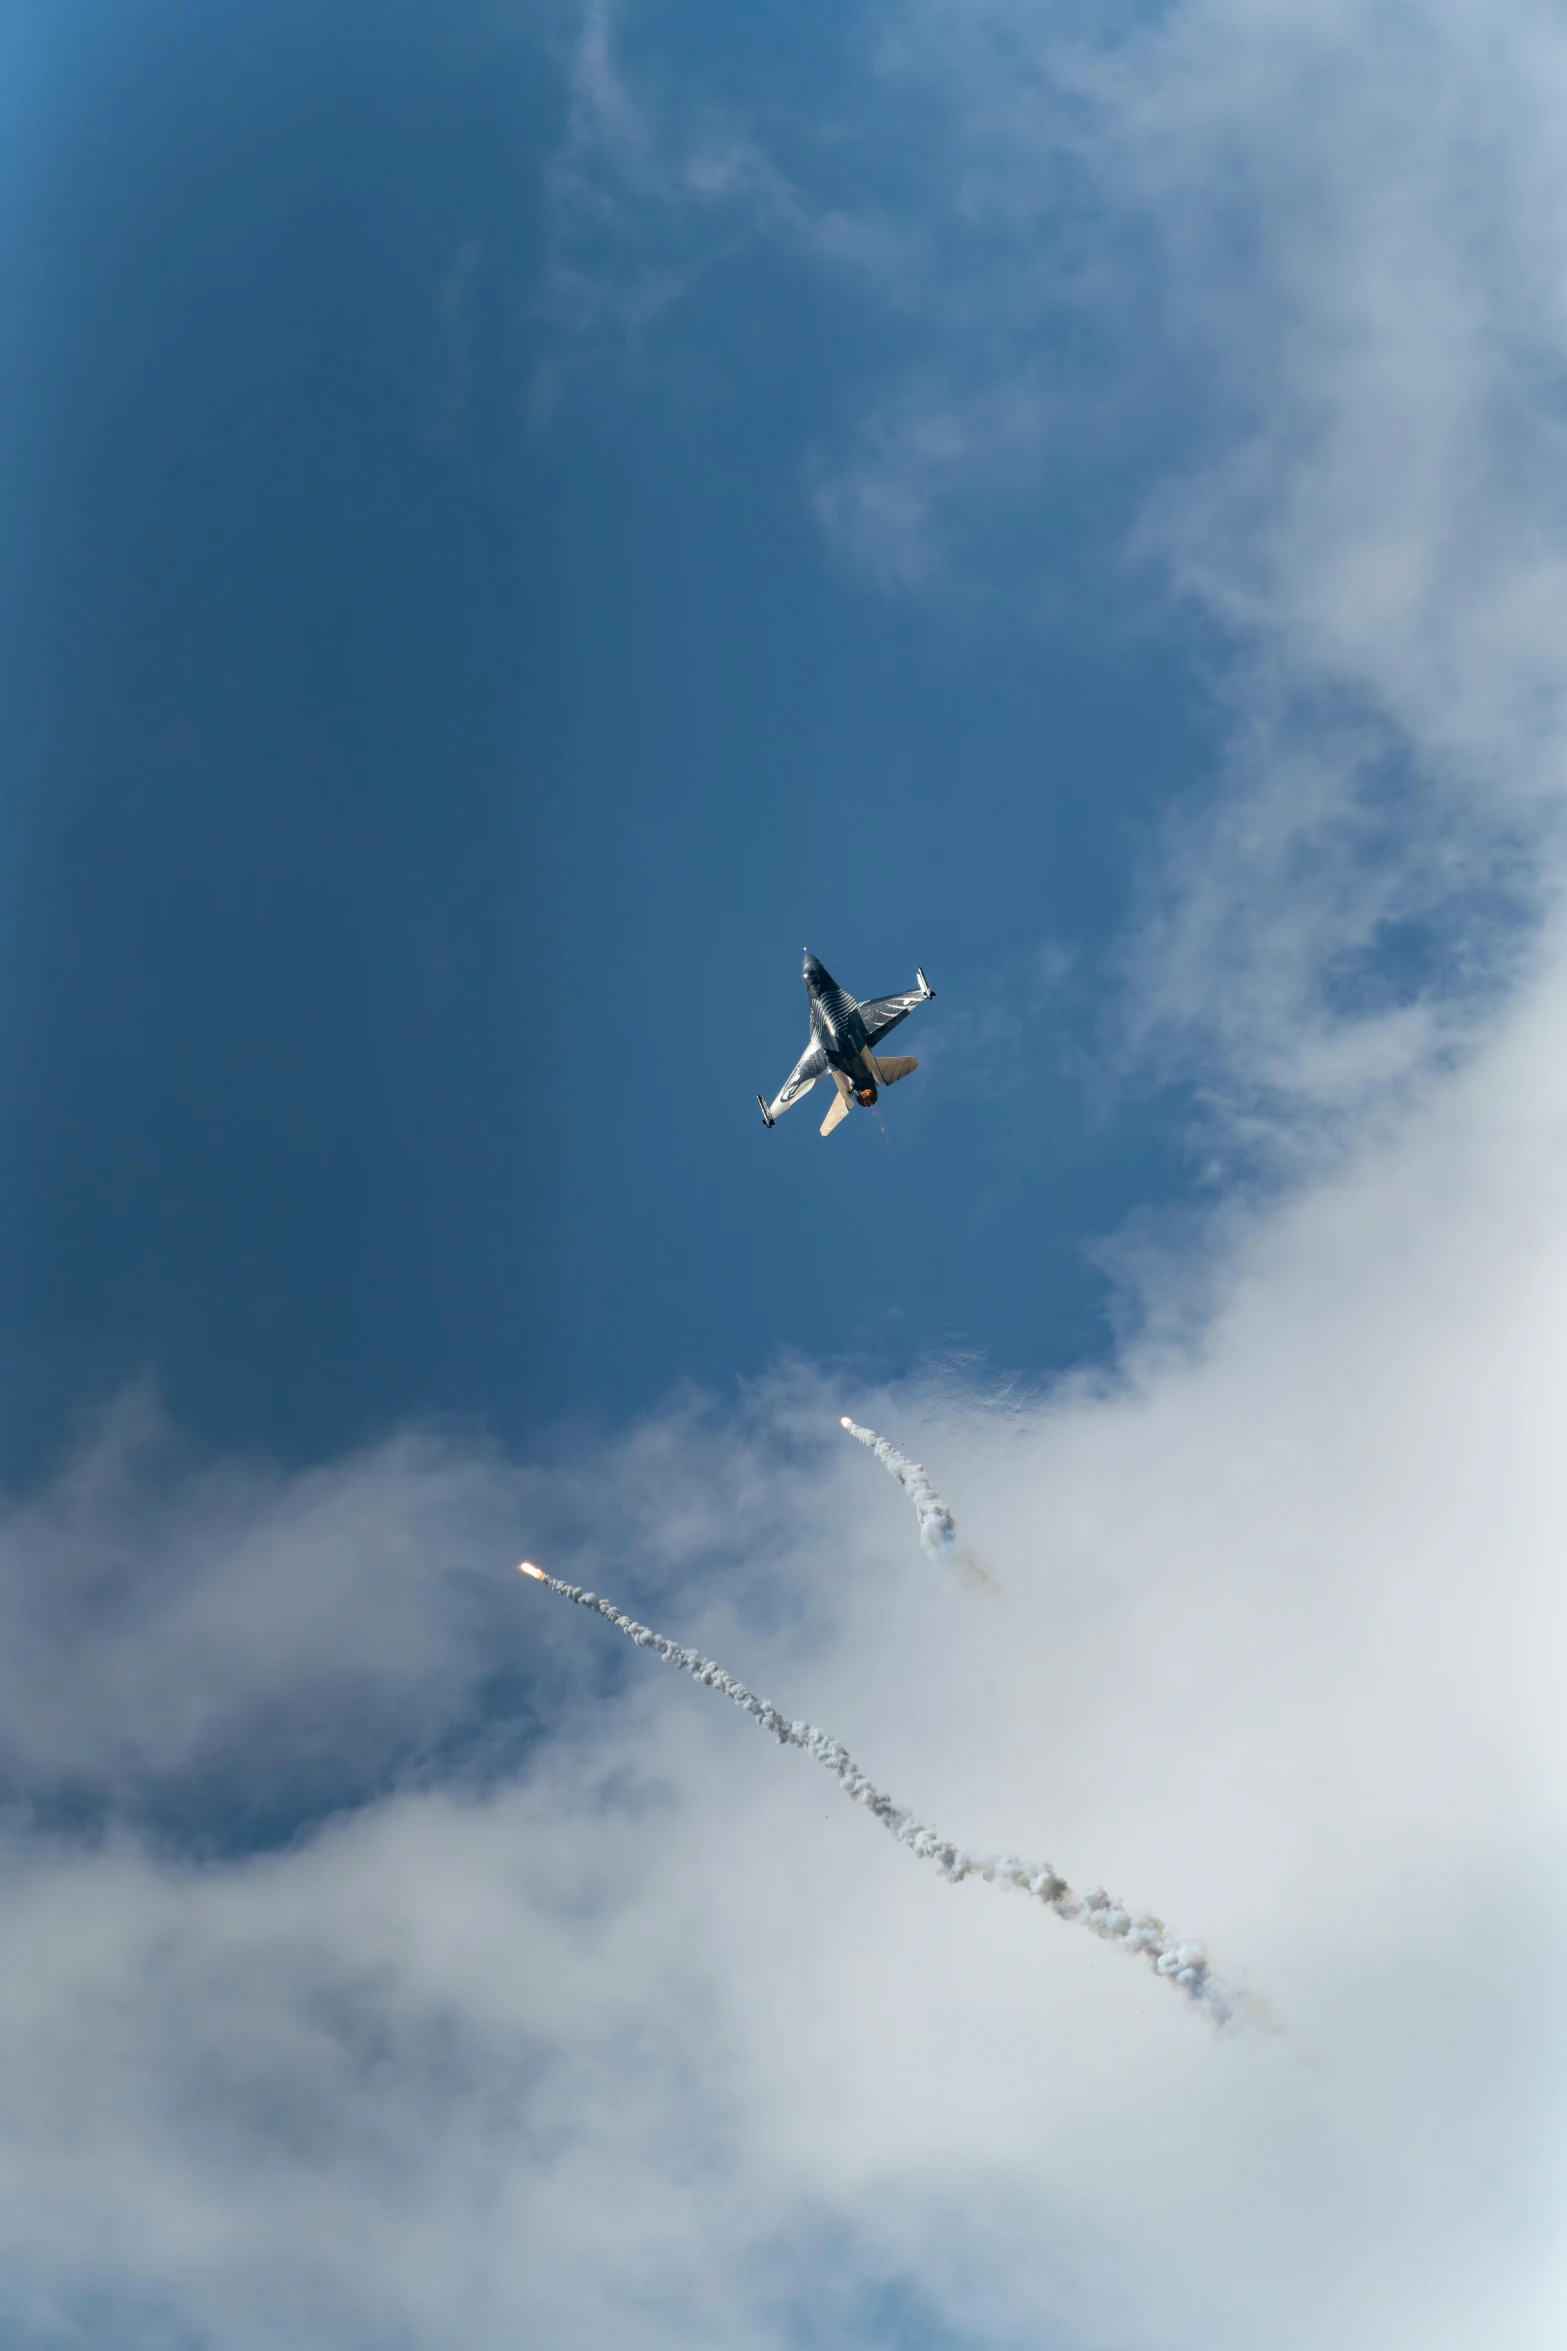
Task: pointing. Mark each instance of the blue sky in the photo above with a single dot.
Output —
(411, 907)
(517, 522)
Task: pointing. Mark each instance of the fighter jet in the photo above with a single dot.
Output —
(843, 1034)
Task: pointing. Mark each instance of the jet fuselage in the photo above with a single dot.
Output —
(838, 1028)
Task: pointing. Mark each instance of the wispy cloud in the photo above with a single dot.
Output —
(655, 183)
(1262, 306)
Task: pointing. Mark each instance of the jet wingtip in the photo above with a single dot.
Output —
(767, 1116)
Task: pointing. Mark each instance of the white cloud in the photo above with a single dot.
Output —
(166, 1622)
(664, 2042)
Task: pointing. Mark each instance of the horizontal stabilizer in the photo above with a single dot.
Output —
(892, 1066)
(838, 1112)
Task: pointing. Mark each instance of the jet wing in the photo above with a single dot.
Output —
(882, 1016)
(811, 1065)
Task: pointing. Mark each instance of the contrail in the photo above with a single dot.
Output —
(1144, 1935)
(938, 1529)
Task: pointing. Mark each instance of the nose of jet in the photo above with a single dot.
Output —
(813, 970)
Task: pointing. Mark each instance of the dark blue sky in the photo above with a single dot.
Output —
(420, 800)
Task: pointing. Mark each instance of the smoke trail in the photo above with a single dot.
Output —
(938, 1530)
(1144, 1935)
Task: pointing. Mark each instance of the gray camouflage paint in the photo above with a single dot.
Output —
(843, 1036)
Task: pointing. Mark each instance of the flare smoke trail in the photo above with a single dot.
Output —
(1183, 1963)
(938, 1529)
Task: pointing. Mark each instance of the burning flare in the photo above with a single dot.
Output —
(1184, 1964)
